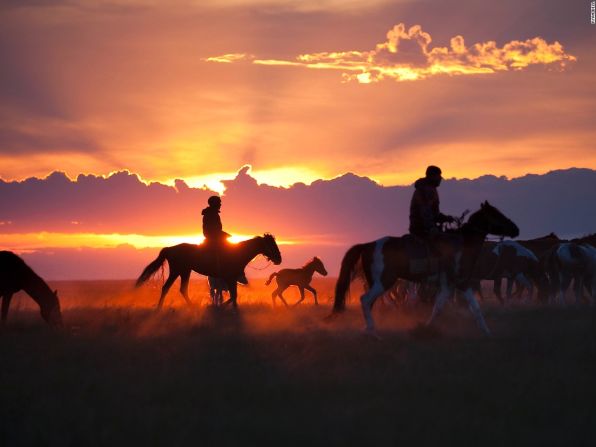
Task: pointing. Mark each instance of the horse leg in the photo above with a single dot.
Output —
(564, 282)
(578, 288)
(314, 293)
(524, 283)
(591, 286)
(411, 293)
(475, 310)
(366, 301)
(497, 289)
(233, 289)
(184, 280)
(166, 287)
(509, 289)
(217, 297)
(280, 294)
(5, 305)
(441, 298)
(301, 296)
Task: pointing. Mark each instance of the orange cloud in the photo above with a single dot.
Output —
(406, 56)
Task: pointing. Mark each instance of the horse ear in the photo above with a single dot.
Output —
(56, 292)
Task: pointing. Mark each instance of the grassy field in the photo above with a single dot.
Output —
(123, 375)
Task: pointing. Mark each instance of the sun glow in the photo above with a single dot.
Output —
(31, 241)
(280, 177)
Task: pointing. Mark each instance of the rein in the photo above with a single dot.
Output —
(261, 268)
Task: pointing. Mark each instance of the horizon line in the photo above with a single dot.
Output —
(248, 170)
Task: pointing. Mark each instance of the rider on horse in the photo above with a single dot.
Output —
(215, 237)
(425, 217)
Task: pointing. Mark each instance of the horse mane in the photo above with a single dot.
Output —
(9, 256)
(550, 235)
(310, 262)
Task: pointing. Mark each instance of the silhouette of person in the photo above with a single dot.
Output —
(215, 237)
(212, 226)
(425, 216)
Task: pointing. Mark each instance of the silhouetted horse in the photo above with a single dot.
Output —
(184, 258)
(297, 277)
(571, 261)
(590, 239)
(388, 259)
(16, 275)
(513, 261)
(541, 245)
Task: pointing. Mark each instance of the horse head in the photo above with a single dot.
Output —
(492, 221)
(270, 249)
(319, 267)
(50, 309)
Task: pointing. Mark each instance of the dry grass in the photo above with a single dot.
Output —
(122, 374)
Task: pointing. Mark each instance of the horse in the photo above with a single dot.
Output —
(513, 261)
(298, 277)
(16, 275)
(387, 259)
(541, 245)
(184, 258)
(571, 261)
(589, 239)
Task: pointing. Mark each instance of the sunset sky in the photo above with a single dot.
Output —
(298, 90)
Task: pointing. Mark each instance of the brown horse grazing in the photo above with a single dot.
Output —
(388, 259)
(184, 258)
(297, 277)
(15, 275)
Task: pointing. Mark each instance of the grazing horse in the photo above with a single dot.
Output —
(16, 275)
(511, 260)
(571, 261)
(388, 259)
(184, 258)
(297, 277)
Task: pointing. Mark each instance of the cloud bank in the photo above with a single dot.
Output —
(406, 55)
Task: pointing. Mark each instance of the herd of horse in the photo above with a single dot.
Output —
(404, 267)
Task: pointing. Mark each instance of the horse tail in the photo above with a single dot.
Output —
(152, 268)
(348, 265)
(273, 275)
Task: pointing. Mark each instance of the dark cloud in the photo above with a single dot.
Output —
(346, 209)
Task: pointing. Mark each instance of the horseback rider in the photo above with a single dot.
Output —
(425, 217)
(212, 227)
(215, 237)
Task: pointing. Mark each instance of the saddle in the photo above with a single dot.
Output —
(422, 260)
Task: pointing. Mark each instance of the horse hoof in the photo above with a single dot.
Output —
(424, 332)
(372, 334)
(331, 317)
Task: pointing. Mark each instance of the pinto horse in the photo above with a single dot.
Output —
(571, 261)
(16, 275)
(387, 259)
(297, 277)
(515, 262)
(184, 258)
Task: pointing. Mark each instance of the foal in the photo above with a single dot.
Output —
(297, 277)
